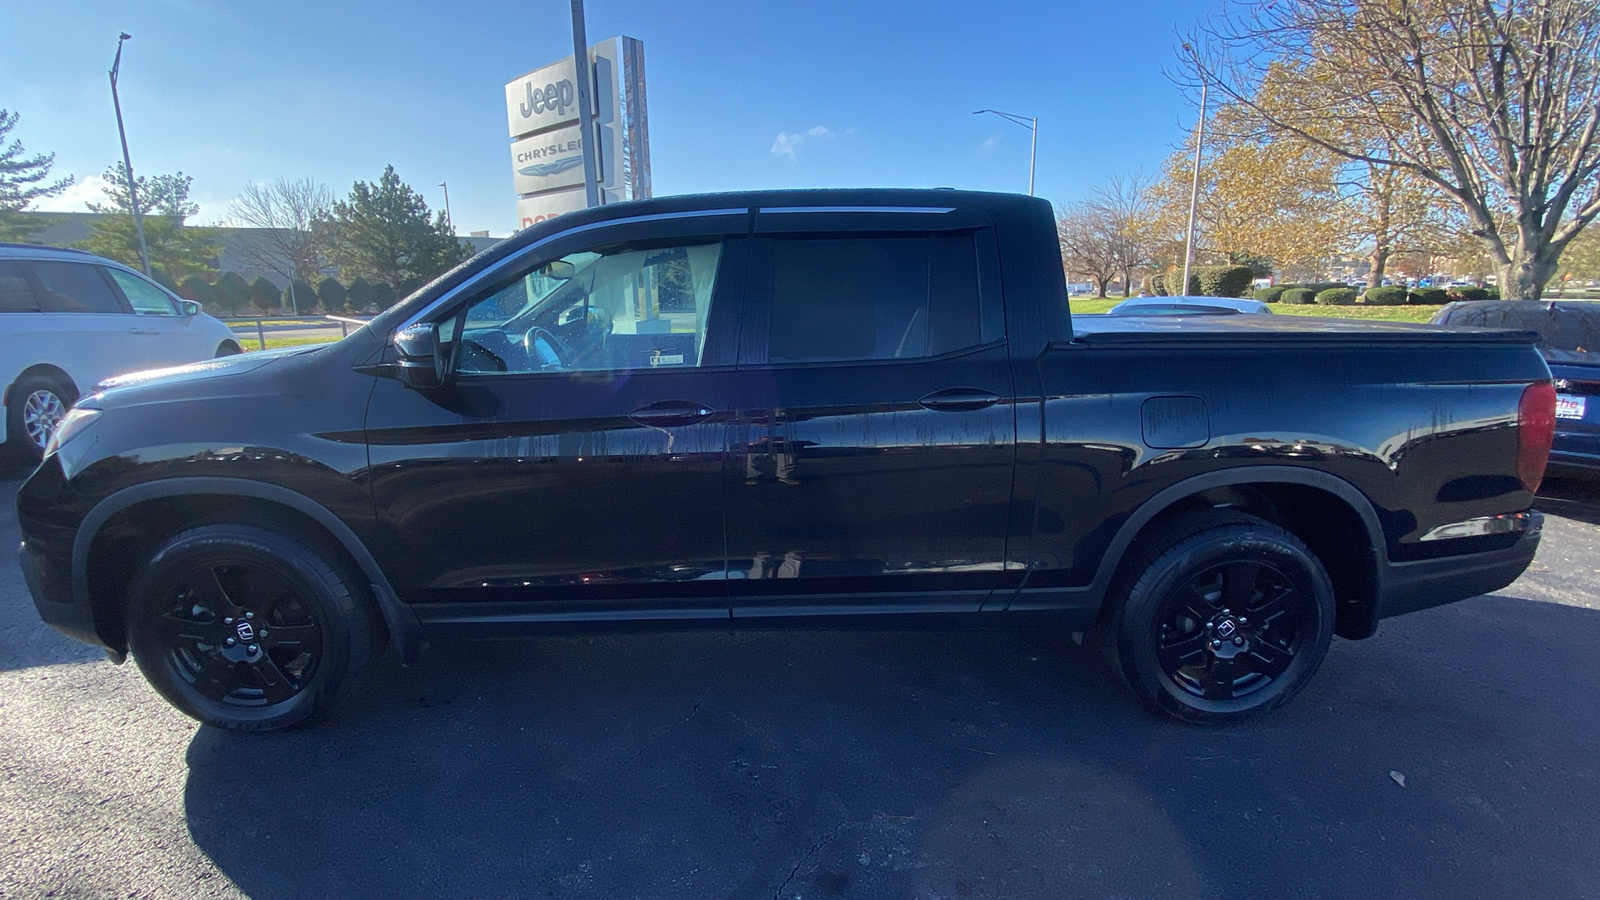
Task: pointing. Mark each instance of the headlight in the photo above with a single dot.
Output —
(72, 424)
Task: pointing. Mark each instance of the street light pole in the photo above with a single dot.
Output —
(1194, 187)
(127, 163)
(1030, 124)
(447, 218)
(580, 62)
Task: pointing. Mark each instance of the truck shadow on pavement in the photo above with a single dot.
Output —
(1452, 755)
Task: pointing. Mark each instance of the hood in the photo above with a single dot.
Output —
(211, 368)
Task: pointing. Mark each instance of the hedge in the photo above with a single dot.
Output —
(1392, 295)
(1341, 296)
(1299, 296)
(1430, 296)
(1270, 294)
(1466, 293)
(1224, 281)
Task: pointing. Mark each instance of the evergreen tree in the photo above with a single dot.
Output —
(383, 233)
(164, 203)
(23, 179)
(359, 297)
(232, 293)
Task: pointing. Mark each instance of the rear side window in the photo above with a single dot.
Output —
(15, 294)
(872, 298)
(74, 287)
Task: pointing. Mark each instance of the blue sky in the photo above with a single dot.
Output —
(741, 95)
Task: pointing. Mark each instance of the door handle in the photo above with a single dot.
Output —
(671, 413)
(143, 331)
(959, 400)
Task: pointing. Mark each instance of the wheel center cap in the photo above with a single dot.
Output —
(245, 630)
(1227, 627)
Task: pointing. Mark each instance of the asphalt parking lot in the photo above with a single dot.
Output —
(1453, 755)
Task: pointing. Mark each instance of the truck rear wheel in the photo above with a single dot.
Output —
(248, 629)
(1219, 617)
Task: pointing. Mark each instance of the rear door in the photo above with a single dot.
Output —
(873, 439)
(86, 329)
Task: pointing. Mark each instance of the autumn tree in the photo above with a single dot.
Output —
(1087, 245)
(282, 216)
(1496, 103)
(164, 203)
(23, 180)
(383, 233)
(1126, 214)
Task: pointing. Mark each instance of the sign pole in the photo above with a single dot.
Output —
(580, 59)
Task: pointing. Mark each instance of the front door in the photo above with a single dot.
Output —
(875, 439)
(571, 467)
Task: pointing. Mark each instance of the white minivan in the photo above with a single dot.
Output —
(69, 319)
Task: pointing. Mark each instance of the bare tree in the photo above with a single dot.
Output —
(1496, 102)
(1126, 215)
(283, 213)
(1087, 244)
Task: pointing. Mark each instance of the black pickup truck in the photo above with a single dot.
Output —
(842, 408)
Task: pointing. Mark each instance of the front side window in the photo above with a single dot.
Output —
(630, 307)
(145, 298)
(873, 298)
(74, 287)
(15, 294)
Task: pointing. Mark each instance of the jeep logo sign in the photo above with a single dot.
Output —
(550, 98)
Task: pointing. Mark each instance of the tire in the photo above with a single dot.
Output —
(228, 348)
(248, 629)
(1219, 617)
(36, 405)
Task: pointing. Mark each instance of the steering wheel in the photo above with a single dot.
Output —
(546, 349)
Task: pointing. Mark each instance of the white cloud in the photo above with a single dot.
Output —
(992, 142)
(786, 143)
(84, 190)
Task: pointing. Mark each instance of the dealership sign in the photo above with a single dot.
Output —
(547, 146)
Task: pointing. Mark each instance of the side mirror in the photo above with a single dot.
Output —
(419, 356)
(190, 308)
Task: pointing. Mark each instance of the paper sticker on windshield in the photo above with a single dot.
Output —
(1570, 407)
(657, 358)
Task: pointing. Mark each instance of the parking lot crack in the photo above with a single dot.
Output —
(800, 863)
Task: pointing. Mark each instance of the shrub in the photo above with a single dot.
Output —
(332, 295)
(1298, 296)
(264, 295)
(1270, 294)
(1466, 293)
(1223, 281)
(232, 293)
(1341, 296)
(383, 295)
(1172, 284)
(299, 296)
(160, 276)
(195, 288)
(1492, 292)
(359, 295)
(1430, 296)
(1392, 295)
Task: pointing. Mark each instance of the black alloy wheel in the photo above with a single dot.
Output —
(248, 628)
(1224, 617)
(239, 635)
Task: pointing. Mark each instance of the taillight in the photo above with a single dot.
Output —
(1536, 429)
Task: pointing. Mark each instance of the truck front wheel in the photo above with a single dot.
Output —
(1222, 616)
(247, 628)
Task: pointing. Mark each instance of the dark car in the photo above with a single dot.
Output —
(788, 409)
(1570, 342)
